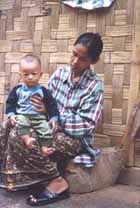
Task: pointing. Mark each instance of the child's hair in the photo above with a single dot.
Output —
(93, 43)
(30, 58)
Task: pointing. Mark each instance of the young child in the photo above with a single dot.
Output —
(21, 111)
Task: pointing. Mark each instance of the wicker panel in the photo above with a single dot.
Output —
(118, 31)
(49, 45)
(28, 3)
(137, 153)
(18, 35)
(118, 57)
(13, 57)
(17, 24)
(34, 11)
(14, 68)
(121, 17)
(45, 59)
(118, 43)
(44, 79)
(49, 29)
(113, 129)
(5, 46)
(2, 64)
(26, 46)
(102, 140)
(108, 91)
(6, 4)
(59, 58)
(125, 92)
(107, 110)
(39, 23)
(116, 116)
(108, 43)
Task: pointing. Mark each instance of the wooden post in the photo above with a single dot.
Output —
(135, 70)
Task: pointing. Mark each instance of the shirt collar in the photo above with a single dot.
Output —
(81, 83)
(27, 88)
(67, 75)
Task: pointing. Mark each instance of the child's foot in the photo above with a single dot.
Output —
(29, 141)
(47, 151)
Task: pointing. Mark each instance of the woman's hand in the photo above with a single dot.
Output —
(38, 103)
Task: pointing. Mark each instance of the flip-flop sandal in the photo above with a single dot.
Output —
(46, 197)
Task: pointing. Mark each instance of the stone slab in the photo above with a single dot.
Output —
(103, 174)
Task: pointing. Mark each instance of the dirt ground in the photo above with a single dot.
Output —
(118, 196)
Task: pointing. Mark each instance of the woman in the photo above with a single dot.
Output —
(79, 95)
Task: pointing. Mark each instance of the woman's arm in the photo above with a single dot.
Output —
(50, 104)
(37, 100)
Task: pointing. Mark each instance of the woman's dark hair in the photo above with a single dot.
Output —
(93, 43)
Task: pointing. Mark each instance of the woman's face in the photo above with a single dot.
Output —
(80, 60)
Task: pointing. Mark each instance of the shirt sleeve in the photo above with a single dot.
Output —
(84, 120)
(11, 102)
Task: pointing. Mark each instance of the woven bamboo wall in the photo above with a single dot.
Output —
(49, 28)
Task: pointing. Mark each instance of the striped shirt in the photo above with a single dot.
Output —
(80, 107)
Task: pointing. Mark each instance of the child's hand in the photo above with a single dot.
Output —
(46, 151)
(54, 125)
(13, 120)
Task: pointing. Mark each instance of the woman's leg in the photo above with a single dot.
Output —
(66, 147)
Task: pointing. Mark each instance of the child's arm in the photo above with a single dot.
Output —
(11, 104)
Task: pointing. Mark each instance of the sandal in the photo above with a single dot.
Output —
(46, 197)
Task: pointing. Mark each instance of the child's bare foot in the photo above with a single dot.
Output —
(29, 141)
(46, 151)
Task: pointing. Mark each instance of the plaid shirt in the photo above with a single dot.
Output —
(80, 106)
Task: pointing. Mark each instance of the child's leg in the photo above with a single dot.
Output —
(24, 125)
(45, 135)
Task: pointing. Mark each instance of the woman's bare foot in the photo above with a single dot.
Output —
(55, 191)
(58, 185)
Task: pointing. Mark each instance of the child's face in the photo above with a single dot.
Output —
(30, 74)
